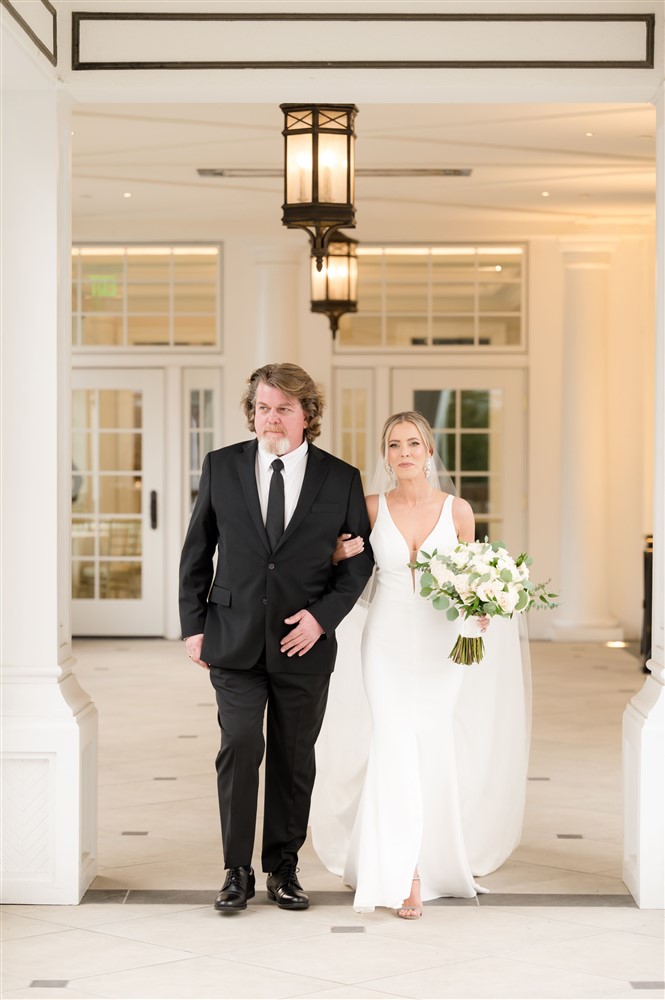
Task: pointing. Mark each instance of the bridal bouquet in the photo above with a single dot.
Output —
(476, 579)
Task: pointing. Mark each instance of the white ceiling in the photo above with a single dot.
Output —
(600, 184)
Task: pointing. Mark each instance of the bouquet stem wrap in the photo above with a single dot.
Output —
(469, 647)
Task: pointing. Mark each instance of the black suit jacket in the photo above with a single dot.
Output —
(254, 589)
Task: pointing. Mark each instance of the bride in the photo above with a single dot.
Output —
(444, 759)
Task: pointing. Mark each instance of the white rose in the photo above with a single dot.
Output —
(459, 558)
(506, 563)
(507, 599)
(441, 573)
(486, 591)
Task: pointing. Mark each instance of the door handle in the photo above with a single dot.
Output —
(153, 509)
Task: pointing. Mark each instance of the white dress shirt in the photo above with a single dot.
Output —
(293, 472)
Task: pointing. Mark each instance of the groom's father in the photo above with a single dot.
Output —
(264, 620)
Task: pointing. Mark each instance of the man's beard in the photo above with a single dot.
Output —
(275, 445)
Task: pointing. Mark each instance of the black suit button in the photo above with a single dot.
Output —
(264, 600)
(271, 565)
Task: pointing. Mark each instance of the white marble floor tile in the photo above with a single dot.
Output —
(482, 931)
(619, 954)
(496, 979)
(74, 953)
(14, 926)
(203, 979)
(352, 993)
(350, 958)
(89, 915)
(205, 932)
(605, 918)
(50, 993)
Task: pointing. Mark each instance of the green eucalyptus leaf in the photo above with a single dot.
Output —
(441, 602)
(452, 614)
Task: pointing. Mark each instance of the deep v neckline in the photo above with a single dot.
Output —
(427, 537)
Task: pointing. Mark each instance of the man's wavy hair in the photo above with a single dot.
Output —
(292, 381)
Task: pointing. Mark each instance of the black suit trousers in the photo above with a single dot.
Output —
(296, 705)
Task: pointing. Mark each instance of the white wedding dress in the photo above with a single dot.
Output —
(427, 768)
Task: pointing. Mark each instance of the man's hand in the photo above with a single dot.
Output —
(193, 645)
(301, 639)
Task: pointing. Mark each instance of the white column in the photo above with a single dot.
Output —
(585, 545)
(49, 735)
(643, 719)
(276, 307)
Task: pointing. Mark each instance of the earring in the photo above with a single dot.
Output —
(428, 467)
(389, 470)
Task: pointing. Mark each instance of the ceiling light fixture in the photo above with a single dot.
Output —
(334, 287)
(319, 171)
(127, 194)
(545, 194)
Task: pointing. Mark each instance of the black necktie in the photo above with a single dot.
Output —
(275, 512)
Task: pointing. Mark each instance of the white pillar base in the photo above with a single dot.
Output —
(49, 776)
(644, 794)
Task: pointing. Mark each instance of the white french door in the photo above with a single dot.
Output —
(478, 417)
(117, 502)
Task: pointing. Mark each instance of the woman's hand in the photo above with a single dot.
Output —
(483, 623)
(347, 546)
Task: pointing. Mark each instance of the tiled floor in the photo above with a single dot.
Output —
(558, 922)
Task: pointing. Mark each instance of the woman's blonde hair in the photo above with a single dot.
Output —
(292, 381)
(412, 417)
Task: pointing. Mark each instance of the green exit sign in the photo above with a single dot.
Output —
(103, 286)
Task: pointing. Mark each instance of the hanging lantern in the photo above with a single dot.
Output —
(319, 171)
(334, 288)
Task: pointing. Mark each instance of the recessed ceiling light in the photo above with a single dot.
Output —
(127, 194)
(588, 133)
(71, 133)
(616, 645)
(545, 194)
(498, 267)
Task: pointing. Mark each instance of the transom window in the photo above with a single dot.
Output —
(437, 296)
(142, 296)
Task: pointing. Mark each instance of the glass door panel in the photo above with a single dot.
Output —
(116, 487)
(478, 421)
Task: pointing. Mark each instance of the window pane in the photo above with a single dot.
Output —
(475, 408)
(491, 263)
(83, 401)
(363, 331)
(500, 331)
(102, 331)
(195, 408)
(207, 408)
(120, 452)
(495, 297)
(445, 445)
(369, 296)
(148, 267)
(407, 267)
(453, 266)
(83, 580)
(120, 537)
(438, 406)
(453, 298)
(120, 580)
(119, 408)
(83, 538)
(147, 330)
(101, 267)
(452, 331)
(194, 299)
(195, 266)
(148, 299)
(102, 296)
(476, 490)
(406, 298)
(120, 494)
(406, 331)
(83, 500)
(194, 487)
(197, 331)
(81, 452)
(482, 531)
(475, 452)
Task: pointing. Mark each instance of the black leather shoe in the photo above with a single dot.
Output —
(285, 889)
(237, 889)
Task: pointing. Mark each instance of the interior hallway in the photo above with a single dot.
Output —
(558, 922)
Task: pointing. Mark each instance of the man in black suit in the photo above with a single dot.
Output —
(272, 508)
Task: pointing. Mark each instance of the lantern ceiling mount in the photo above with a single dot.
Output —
(334, 285)
(319, 171)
